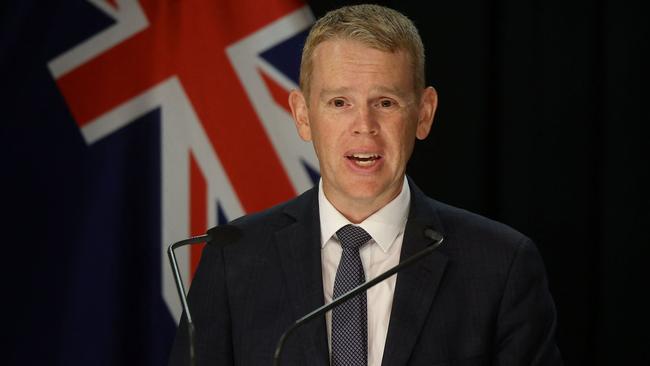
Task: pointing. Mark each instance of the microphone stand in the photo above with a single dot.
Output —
(181, 288)
(437, 240)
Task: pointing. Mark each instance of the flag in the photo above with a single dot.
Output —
(131, 125)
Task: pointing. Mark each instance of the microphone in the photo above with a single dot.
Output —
(216, 236)
(436, 240)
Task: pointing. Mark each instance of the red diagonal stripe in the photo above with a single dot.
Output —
(280, 95)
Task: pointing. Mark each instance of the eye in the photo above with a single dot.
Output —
(338, 102)
(387, 103)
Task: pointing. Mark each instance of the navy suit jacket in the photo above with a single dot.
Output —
(480, 299)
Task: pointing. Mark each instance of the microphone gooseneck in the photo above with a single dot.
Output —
(181, 289)
(216, 236)
(436, 240)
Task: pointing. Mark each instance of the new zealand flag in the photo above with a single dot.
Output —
(128, 125)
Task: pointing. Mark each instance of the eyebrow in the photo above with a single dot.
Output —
(327, 92)
(400, 93)
(344, 90)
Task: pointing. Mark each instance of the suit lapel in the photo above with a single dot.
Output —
(416, 286)
(299, 248)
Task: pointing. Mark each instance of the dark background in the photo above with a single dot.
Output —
(541, 125)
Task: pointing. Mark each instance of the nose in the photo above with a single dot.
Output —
(366, 122)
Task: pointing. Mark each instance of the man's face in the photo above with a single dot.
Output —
(363, 116)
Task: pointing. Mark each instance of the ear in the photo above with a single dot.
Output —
(300, 113)
(428, 105)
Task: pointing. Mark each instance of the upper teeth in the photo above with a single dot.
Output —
(365, 156)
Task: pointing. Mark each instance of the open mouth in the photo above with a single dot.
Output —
(363, 159)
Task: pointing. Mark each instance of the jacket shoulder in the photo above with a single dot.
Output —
(468, 230)
(263, 224)
(289, 208)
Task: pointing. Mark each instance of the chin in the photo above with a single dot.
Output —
(365, 190)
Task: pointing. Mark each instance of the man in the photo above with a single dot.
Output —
(480, 299)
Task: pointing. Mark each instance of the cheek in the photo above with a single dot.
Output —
(328, 134)
(403, 140)
(324, 143)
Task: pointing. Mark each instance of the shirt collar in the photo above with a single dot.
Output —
(384, 225)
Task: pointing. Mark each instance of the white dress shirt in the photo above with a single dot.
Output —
(386, 227)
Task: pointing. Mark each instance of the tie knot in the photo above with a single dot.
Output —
(352, 237)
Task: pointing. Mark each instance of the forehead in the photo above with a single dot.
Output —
(342, 63)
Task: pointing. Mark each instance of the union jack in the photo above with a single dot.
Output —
(218, 73)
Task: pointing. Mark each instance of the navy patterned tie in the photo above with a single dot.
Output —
(350, 319)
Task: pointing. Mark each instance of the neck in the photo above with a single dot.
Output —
(356, 210)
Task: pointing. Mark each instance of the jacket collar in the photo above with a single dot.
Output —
(416, 285)
(299, 248)
(298, 245)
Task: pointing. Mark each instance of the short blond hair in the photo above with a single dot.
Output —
(376, 26)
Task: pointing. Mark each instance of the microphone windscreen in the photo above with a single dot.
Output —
(433, 235)
(223, 235)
